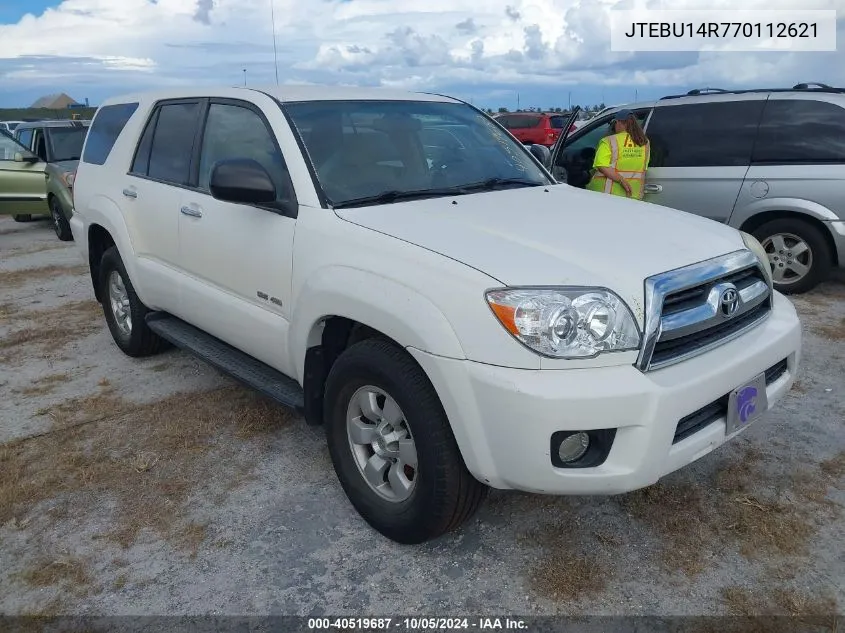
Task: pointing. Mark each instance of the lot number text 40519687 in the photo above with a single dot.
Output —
(416, 624)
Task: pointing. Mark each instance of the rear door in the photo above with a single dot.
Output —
(23, 183)
(701, 152)
(152, 195)
(799, 156)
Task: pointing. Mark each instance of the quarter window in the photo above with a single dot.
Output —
(235, 132)
(704, 134)
(107, 125)
(801, 131)
(173, 143)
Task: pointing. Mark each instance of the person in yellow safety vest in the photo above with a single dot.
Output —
(622, 158)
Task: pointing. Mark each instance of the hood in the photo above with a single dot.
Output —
(65, 165)
(556, 235)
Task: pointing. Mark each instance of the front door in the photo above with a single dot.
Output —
(700, 154)
(237, 258)
(572, 161)
(23, 183)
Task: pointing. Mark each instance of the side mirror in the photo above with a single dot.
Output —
(542, 153)
(242, 180)
(20, 157)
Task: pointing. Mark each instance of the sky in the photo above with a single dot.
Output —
(541, 53)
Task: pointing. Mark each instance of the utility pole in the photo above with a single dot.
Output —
(244, 77)
(570, 102)
(517, 102)
(275, 53)
(636, 95)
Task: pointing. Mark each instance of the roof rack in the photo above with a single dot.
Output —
(802, 87)
(701, 91)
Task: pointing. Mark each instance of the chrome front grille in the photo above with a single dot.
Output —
(694, 309)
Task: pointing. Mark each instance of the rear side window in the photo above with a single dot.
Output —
(106, 127)
(558, 122)
(172, 142)
(801, 131)
(704, 134)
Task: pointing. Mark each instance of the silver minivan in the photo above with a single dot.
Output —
(769, 162)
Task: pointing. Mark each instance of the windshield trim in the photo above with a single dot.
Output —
(325, 202)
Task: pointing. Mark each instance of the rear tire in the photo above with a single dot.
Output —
(436, 491)
(22, 217)
(798, 252)
(124, 312)
(60, 222)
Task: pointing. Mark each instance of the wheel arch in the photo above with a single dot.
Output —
(106, 228)
(342, 306)
(753, 222)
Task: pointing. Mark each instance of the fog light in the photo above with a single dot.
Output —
(573, 447)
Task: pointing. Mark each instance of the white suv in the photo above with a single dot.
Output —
(401, 270)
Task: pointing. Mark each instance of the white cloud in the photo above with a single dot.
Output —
(391, 42)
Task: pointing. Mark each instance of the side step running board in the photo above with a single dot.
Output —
(227, 359)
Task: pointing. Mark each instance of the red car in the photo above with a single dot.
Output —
(534, 127)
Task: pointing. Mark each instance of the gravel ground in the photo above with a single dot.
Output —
(159, 486)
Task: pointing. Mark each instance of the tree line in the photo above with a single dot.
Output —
(556, 110)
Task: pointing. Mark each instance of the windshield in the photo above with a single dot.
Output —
(66, 142)
(362, 149)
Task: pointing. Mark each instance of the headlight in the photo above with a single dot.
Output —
(68, 178)
(566, 322)
(755, 247)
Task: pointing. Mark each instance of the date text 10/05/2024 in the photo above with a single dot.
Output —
(416, 624)
(723, 29)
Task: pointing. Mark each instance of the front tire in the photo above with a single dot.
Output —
(392, 446)
(60, 223)
(798, 253)
(124, 312)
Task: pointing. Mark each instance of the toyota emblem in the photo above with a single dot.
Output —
(729, 302)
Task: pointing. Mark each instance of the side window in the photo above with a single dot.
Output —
(558, 122)
(9, 147)
(173, 143)
(25, 138)
(801, 131)
(233, 131)
(102, 135)
(141, 162)
(704, 134)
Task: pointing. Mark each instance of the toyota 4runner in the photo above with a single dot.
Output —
(401, 270)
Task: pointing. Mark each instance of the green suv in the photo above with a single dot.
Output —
(37, 169)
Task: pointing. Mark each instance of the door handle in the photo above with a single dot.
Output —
(653, 188)
(130, 194)
(194, 213)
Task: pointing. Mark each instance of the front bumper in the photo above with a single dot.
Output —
(503, 418)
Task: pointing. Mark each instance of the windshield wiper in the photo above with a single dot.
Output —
(394, 195)
(496, 183)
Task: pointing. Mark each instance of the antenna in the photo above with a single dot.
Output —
(275, 52)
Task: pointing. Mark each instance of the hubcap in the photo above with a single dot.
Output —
(381, 443)
(790, 257)
(119, 301)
